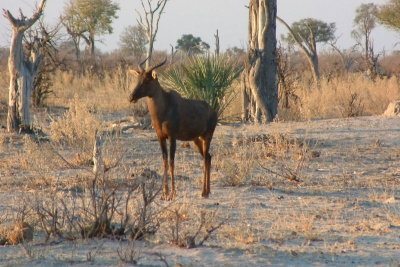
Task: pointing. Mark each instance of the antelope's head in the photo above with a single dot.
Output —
(146, 81)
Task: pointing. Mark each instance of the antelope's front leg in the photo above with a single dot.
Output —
(163, 144)
(172, 149)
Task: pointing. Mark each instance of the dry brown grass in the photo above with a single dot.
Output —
(4, 82)
(106, 93)
(333, 99)
(343, 95)
(346, 95)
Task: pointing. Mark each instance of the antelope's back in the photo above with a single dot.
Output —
(196, 118)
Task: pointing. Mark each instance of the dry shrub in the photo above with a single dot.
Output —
(22, 232)
(16, 225)
(128, 254)
(100, 205)
(251, 157)
(16, 233)
(109, 207)
(236, 165)
(113, 200)
(241, 232)
(348, 95)
(190, 228)
(77, 127)
(285, 157)
(39, 156)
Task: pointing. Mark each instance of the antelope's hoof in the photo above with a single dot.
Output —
(164, 196)
(205, 194)
(172, 195)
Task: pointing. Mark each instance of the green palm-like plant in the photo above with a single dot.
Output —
(205, 78)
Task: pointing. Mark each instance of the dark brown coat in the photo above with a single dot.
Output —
(176, 118)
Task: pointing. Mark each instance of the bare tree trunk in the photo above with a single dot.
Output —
(347, 61)
(216, 36)
(314, 65)
(91, 46)
(75, 37)
(245, 100)
(260, 73)
(367, 46)
(23, 70)
(149, 53)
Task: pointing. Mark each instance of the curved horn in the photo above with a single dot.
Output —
(159, 65)
(140, 66)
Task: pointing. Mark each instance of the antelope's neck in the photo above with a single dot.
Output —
(157, 105)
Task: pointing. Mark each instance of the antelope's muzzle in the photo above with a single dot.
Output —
(132, 99)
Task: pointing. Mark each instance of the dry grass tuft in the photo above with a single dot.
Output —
(294, 226)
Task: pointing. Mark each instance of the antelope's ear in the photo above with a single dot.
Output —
(154, 75)
(134, 72)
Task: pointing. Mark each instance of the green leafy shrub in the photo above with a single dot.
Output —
(205, 78)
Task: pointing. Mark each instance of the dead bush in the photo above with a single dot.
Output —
(284, 157)
(235, 169)
(191, 229)
(22, 232)
(77, 127)
(128, 254)
(353, 107)
(16, 225)
(112, 200)
(250, 157)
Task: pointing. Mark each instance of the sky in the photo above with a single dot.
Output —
(203, 17)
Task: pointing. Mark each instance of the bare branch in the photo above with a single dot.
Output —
(10, 17)
(149, 20)
(159, 16)
(298, 38)
(24, 23)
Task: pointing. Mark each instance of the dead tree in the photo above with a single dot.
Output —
(345, 57)
(260, 87)
(75, 37)
(43, 38)
(150, 21)
(309, 47)
(216, 36)
(23, 69)
(176, 118)
(286, 79)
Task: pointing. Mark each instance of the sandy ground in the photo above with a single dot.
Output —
(342, 208)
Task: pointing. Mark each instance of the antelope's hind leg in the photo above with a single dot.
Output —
(207, 167)
(203, 146)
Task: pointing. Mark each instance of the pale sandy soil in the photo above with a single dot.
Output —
(344, 211)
